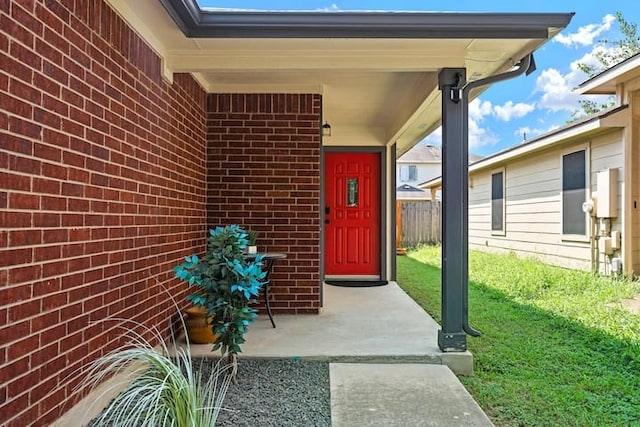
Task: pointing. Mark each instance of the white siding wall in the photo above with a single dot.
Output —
(634, 154)
(426, 171)
(533, 218)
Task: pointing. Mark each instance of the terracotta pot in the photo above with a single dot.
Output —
(198, 326)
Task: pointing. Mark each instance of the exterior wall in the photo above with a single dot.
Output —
(102, 191)
(633, 162)
(264, 173)
(533, 218)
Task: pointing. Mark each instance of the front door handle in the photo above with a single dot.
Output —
(327, 210)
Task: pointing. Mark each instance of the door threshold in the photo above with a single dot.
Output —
(357, 283)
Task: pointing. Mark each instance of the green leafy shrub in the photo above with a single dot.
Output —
(226, 285)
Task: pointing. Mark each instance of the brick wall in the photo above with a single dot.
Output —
(264, 173)
(102, 191)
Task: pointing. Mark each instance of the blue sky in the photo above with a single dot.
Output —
(534, 104)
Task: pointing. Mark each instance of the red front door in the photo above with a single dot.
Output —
(352, 214)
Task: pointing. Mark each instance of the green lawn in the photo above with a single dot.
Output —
(552, 353)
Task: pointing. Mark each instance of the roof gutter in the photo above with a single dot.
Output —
(197, 22)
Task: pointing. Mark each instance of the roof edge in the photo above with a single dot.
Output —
(596, 83)
(197, 22)
(529, 146)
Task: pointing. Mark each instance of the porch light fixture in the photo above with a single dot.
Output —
(326, 129)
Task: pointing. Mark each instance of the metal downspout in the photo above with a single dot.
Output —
(527, 65)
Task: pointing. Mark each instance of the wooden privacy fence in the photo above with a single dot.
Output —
(417, 223)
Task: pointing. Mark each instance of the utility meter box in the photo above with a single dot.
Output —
(607, 183)
(605, 246)
(616, 240)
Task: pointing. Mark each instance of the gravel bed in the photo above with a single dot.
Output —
(277, 393)
(282, 393)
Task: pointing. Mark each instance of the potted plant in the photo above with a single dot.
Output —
(226, 284)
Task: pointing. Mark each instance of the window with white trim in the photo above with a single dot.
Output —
(574, 193)
(497, 202)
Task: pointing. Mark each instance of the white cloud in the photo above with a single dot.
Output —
(478, 135)
(586, 35)
(558, 89)
(333, 8)
(510, 110)
(479, 109)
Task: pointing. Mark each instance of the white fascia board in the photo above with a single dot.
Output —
(606, 82)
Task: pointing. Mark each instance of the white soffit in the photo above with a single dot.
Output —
(387, 83)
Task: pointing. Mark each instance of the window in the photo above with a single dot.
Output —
(574, 193)
(408, 173)
(497, 201)
(413, 173)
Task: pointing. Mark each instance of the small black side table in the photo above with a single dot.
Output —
(269, 259)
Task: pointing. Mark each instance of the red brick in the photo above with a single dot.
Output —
(13, 407)
(54, 236)
(24, 91)
(15, 256)
(25, 165)
(23, 201)
(46, 186)
(46, 220)
(55, 269)
(55, 171)
(54, 301)
(46, 253)
(46, 287)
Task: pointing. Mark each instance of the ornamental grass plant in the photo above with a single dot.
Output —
(162, 386)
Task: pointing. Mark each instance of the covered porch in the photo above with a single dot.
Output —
(132, 127)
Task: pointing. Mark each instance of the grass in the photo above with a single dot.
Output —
(552, 352)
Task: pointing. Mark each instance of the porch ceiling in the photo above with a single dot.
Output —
(378, 76)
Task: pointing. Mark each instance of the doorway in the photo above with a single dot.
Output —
(352, 214)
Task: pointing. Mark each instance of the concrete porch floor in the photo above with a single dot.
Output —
(374, 325)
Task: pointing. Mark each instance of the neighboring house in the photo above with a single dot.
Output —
(130, 127)
(531, 199)
(421, 163)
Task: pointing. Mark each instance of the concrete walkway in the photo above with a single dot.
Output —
(387, 369)
(401, 395)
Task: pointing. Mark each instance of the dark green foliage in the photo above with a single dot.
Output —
(613, 52)
(252, 237)
(616, 50)
(226, 284)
